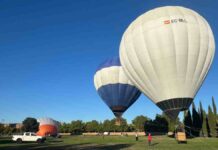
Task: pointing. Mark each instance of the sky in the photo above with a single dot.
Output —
(50, 49)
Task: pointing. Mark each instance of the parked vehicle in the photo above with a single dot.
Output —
(106, 133)
(28, 137)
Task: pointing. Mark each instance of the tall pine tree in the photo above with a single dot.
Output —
(188, 123)
(211, 122)
(214, 106)
(196, 121)
(203, 116)
(208, 127)
(215, 114)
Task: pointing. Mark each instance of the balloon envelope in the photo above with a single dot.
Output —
(166, 53)
(47, 126)
(114, 87)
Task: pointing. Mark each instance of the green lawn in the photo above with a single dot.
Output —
(113, 143)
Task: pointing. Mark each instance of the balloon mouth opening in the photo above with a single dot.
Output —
(118, 110)
(172, 114)
(172, 107)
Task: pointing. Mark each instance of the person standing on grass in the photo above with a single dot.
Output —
(149, 139)
(136, 136)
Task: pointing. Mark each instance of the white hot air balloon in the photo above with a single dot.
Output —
(167, 52)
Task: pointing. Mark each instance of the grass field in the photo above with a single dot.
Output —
(112, 143)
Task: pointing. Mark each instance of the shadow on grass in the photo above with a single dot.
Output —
(5, 140)
(84, 146)
(153, 144)
(55, 141)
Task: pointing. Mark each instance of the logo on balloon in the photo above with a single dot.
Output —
(167, 22)
(175, 21)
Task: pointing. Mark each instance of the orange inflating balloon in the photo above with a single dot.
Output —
(45, 130)
(47, 127)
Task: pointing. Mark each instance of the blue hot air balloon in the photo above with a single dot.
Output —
(114, 87)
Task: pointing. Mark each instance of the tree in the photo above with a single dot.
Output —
(215, 113)
(76, 127)
(160, 124)
(196, 121)
(171, 123)
(92, 126)
(7, 130)
(203, 117)
(131, 128)
(100, 127)
(211, 122)
(139, 122)
(30, 125)
(188, 123)
(208, 127)
(1, 129)
(108, 125)
(214, 107)
(123, 127)
(65, 128)
(149, 126)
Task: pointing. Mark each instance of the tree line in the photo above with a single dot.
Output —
(140, 123)
(28, 125)
(198, 122)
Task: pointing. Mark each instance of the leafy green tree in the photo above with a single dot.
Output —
(108, 125)
(139, 122)
(30, 125)
(149, 126)
(76, 127)
(212, 122)
(188, 123)
(92, 126)
(65, 128)
(131, 128)
(160, 124)
(1, 129)
(196, 121)
(8, 130)
(100, 127)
